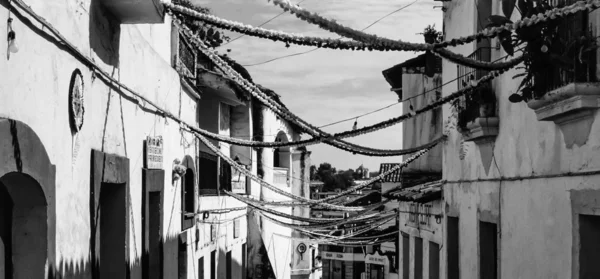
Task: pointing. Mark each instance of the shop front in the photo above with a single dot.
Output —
(337, 265)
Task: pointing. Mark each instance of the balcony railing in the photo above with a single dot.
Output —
(280, 176)
(478, 104)
(582, 65)
(186, 55)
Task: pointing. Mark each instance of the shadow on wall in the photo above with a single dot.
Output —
(82, 269)
(259, 265)
(105, 34)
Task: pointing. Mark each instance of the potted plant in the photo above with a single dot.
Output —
(553, 53)
(431, 35)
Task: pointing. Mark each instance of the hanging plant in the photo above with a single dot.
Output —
(556, 51)
(209, 34)
(431, 35)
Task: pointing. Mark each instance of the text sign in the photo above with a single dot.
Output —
(373, 259)
(154, 152)
(337, 256)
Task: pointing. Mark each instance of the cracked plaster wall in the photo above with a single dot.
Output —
(534, 217)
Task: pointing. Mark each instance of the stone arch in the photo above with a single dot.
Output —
(27, 180)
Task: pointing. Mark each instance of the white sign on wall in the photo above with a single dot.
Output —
(154, 152)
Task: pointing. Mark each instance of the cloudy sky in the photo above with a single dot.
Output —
(325, 86)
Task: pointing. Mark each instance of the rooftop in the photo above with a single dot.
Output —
(422, 193)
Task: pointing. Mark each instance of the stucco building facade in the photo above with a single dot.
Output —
(519, 195)
(97, 177)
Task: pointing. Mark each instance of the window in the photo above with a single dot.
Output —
(236, 228)
(207, 175)
(186, 62)
(213, 265)
(488, 250)
(225, 175)
(434, 260)
(187, 200)
(405, 256)
(418, 258)
(589, 229)
(452, 250)
(201, 268)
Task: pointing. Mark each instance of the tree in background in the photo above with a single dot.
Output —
(331, 178)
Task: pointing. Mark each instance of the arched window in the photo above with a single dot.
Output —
(187, 199)
(276, 159)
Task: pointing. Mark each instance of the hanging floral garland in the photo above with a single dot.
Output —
(256, 92)
(362, 44)
(371, 39)
(320, 136)
(323, 201)
(300, 204)
(333, 225)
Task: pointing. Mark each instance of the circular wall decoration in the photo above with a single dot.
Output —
(76, 107)
(301, 248)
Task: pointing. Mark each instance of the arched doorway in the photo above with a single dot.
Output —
(23, 227)
(27, 190)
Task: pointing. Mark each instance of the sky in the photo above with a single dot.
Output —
(326, 86)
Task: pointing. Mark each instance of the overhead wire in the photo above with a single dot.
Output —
(309, 51)
(261, 25)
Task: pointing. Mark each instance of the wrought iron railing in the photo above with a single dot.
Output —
(481, 103)
(582, 63)
(186, 57)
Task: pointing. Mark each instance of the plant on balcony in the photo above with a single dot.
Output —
(480, 104)
(210, 35)
(556, 52)
(431, 34)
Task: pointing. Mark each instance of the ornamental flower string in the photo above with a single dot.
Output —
(255, 91)
(323, 201)
(347, 32)
(362, 44)
(317, 133)
(262, 97)
(323, 227)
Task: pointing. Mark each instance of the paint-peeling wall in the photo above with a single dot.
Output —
(535, 217)
(420, 90)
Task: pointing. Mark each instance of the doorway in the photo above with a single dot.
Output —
(23, 227)
(113, 230)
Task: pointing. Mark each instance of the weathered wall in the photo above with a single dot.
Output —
(425, 127)
(280, 249)
(35, 91)
(534, 216)
(200, 245)
(431, 232)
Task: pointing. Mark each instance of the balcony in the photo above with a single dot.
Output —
(239, 182)
(477, 118)
(569, 92)
(280, 177)
(136, 11)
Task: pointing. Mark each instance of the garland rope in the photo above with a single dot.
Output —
(319, 135)
(283, 112)
(323, 201)
(328, 225)
(491, 32)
